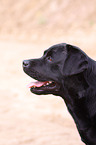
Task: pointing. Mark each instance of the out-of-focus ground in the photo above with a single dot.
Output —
(27, 28)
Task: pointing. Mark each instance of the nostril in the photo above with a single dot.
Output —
(25, 63)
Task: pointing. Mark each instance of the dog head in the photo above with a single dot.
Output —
(58, 62)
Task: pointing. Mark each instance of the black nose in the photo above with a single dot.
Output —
(26, 63)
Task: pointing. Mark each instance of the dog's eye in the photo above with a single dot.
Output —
(49, 58)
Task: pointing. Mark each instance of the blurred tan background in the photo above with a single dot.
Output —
(27, 28)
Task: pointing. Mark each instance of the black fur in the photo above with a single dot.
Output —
(74, 74)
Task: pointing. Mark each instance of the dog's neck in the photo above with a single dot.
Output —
(82, 114)
(91, 73)
(76, 91)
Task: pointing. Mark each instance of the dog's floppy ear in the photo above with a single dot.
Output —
(76, 61)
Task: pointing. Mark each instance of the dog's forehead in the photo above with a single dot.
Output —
(56, 48)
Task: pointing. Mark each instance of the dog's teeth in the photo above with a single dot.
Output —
(34, 86)
(50, 82)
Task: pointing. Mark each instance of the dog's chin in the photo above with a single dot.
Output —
(53, 88)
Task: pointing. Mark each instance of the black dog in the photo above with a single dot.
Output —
(66, 71)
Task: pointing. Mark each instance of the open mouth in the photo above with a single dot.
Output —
(46, 87)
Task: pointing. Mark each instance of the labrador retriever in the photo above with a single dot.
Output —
(65, 70)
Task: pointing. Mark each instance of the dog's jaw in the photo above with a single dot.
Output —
(48, 87)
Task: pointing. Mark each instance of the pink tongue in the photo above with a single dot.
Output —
(36, 84)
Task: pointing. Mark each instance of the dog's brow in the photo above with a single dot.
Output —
(48, 53)
(45, 52)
